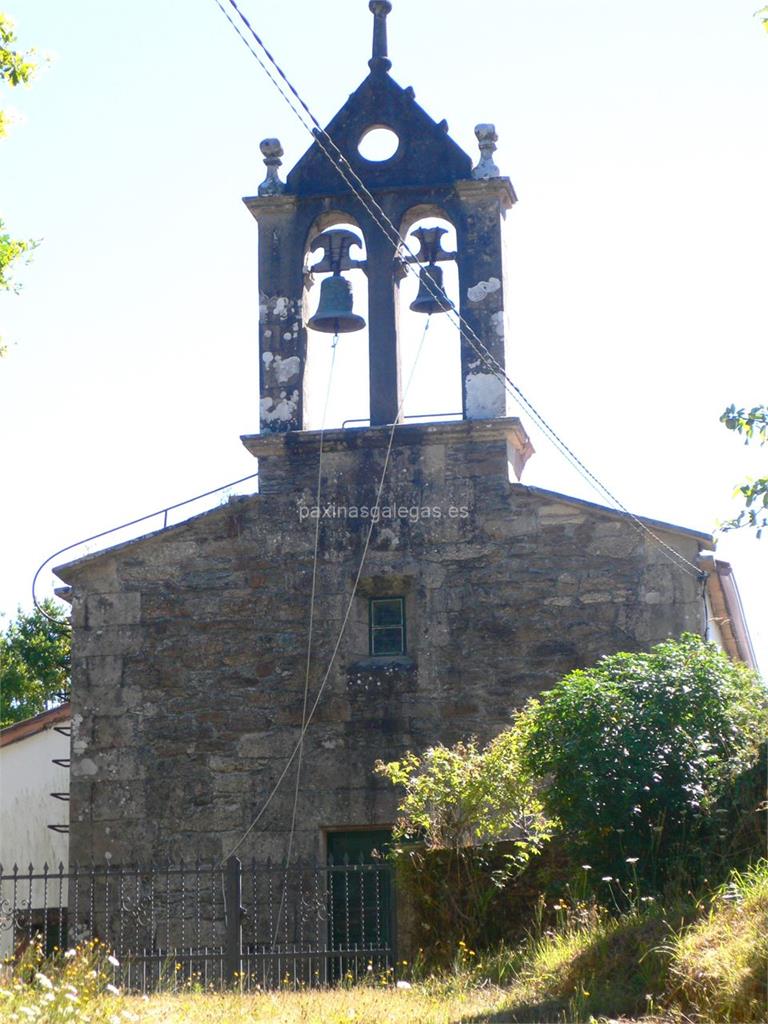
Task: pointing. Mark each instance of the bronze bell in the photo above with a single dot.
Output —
(334, 311)
(431, 297)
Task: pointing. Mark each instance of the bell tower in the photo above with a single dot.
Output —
(427, 175)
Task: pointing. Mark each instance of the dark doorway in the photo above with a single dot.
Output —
(360, 898)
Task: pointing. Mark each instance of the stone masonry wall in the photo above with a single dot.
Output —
(190, 645)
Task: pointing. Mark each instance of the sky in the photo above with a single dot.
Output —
(635, 140)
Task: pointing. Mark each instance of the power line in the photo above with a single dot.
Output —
(383, 222)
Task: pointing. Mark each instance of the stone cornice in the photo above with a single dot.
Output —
(453, 432)
(501, 187)
(284, 204)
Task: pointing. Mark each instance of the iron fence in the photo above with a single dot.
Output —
(257, 925)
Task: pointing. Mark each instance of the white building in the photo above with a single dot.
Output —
(34, 787)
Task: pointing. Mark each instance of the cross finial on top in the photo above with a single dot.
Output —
(380, 9)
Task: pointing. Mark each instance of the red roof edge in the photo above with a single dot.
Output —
(30, 726)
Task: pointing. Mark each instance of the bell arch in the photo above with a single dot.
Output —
(335, 313)
(429, 289)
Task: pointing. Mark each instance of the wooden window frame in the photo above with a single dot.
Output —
(372, 629)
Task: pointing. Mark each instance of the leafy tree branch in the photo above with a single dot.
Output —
(16, 68)
(10, 250)
(752, 425)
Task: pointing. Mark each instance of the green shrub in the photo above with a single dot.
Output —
(470, 821)
(644, 769)
(461, 796)
(637, 751)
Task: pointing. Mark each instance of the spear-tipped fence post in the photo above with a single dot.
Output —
(233, 893)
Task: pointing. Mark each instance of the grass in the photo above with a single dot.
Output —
(426, 1004)
(591, 966)
(690, 962)
(719, 966)
(651, 964)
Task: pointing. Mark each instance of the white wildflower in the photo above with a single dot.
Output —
(403, 984)
(113, 960)
(41, 979)
(70, 953)
(607, 878)
(632, 860)
(113, 989)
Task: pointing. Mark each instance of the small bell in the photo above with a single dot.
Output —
(334, 310)
(431, 297)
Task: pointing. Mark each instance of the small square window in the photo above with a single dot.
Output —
(387, 625)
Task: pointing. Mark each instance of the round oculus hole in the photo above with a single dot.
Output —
(378, 144)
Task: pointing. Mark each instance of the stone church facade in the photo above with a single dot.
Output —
(469, 593)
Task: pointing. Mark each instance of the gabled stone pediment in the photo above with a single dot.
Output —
(426, 156)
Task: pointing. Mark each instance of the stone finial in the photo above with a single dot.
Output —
(379, 60)
(271, 151)
(486, 140)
